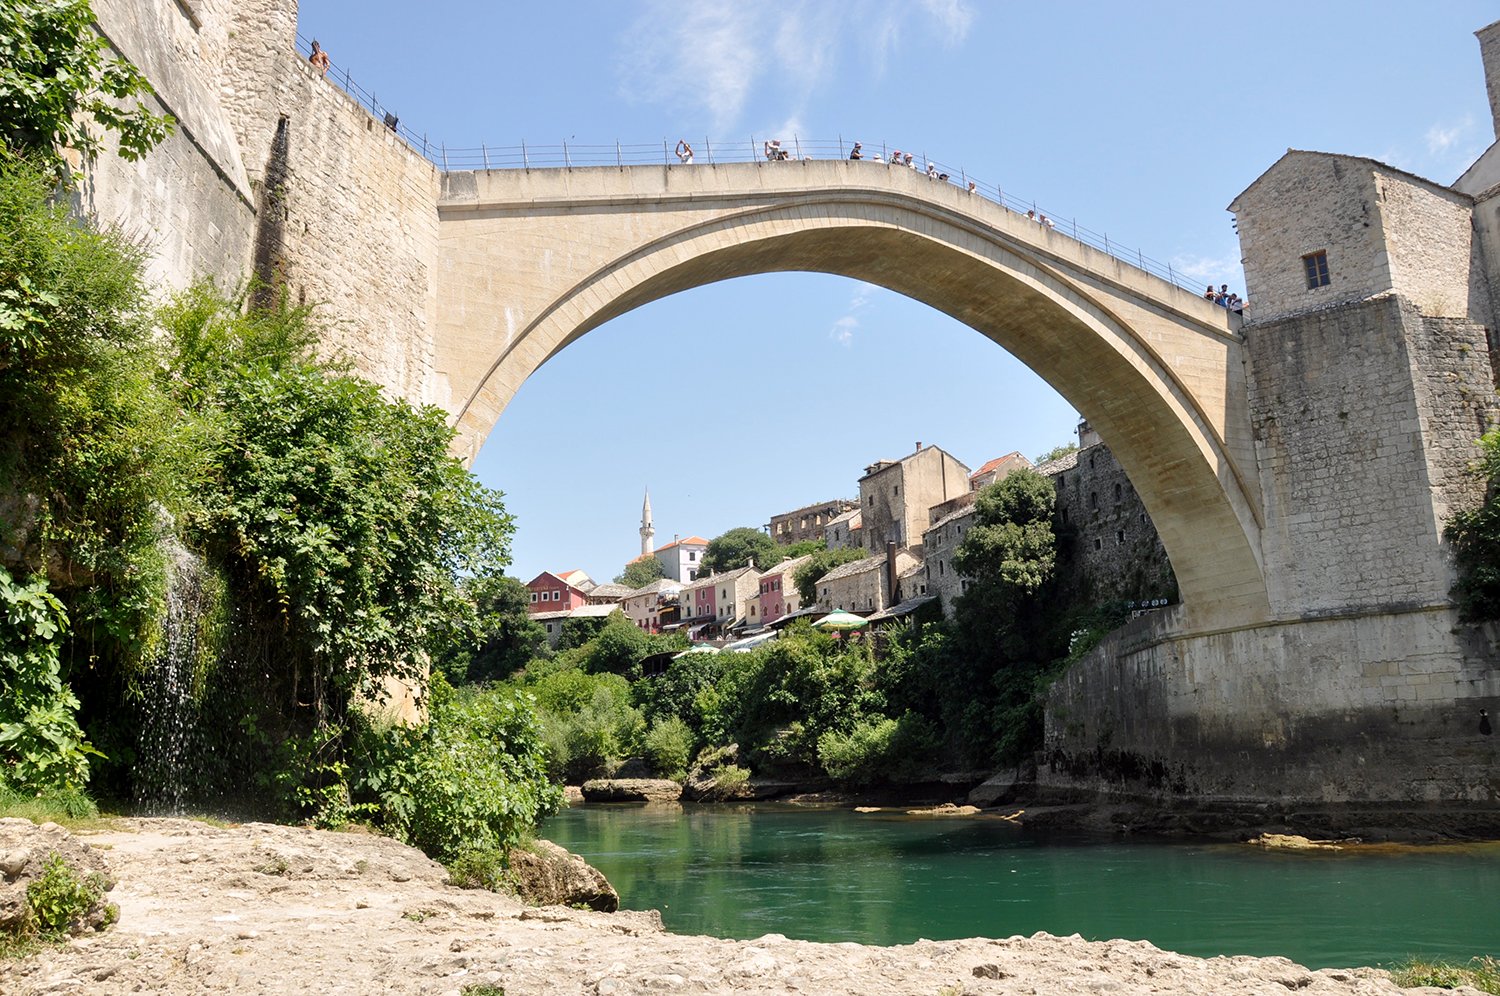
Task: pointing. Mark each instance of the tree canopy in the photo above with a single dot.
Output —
(737, 547)
(821, 563)
(641, 572)
(60, 86)
(1475, 535)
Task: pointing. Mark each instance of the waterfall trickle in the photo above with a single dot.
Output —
(168, 706)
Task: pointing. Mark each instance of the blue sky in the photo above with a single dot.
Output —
(736, 401)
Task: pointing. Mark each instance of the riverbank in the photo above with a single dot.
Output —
(261, 908)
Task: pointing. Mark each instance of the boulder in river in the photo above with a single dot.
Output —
(631, 790)
(547, 875)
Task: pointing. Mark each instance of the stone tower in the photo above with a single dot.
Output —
(647, 529)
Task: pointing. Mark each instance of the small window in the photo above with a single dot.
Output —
(1093, 499)
(1065, 516)
(1120, 537)
(1315, 265)
(1117, 492)
(533, 596)
(549, 627)
(1098, 543)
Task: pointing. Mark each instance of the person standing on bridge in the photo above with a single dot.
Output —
(685, 152)
(855, 154)
(319, 58)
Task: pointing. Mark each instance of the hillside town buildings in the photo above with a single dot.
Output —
(923, 506)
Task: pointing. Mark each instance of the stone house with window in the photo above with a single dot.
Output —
(737, 598)
(645, 607)
(940, 542)
(865, 585)
(896, 495)
(844, 531)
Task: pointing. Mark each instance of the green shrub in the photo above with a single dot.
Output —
(587, 720)
(41, 745)
(878, 748)
(478, 868)
(1483, 973)
(59, 898)
(668, 746)
(68, 805)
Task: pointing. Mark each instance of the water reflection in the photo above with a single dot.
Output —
(833, 875)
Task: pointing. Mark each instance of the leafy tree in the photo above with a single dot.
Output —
(736, 548)
(496, 638)
(802, 548)
(822, 562)
(1056, 453)
(1475, 535)
(1005, 643)
(641, 572)
(59, 85)
(342, 518)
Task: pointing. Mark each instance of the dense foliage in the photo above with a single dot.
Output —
(60, 86)
(339, 515)
(42, 748)
(89, 452)
(491, 635)
(641, 572)
(819, 564)
(1475, 535)
(739, 546)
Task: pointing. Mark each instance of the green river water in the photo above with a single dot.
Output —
(835, 875)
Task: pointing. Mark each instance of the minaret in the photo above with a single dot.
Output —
(647, 529)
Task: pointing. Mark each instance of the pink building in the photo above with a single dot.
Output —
(558, 592)
(778, 590)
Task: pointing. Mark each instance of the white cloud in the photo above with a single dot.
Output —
(711, 55)
(953, 17)
(843, 330)
(1441, 138)
(1207, 270)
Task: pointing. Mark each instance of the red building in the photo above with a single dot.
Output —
(559, 592)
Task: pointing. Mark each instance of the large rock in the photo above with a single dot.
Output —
(25, 849)
(547, 875)
(631, 790)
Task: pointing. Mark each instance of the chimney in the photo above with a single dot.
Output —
(1489, 51)
(890, 573)
(919, 446)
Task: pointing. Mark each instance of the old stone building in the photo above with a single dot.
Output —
(896, 495)
(940, 543)
(1108, 548)
(809, 522)
(866, 585)
(844, 531)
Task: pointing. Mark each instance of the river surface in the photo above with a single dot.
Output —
(836, 875)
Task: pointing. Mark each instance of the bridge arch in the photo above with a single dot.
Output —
(1153, 368)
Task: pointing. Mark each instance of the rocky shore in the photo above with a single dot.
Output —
(272, 909)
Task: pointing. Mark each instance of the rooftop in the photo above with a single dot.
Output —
(854, 567)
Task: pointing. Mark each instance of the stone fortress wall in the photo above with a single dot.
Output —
(276, 170)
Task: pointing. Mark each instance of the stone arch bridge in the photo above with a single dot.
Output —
(529, 261)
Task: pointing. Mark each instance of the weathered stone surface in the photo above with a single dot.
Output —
(25, 850)
(1001, 785)
(548, 875)
(631, 790)
(946, 809)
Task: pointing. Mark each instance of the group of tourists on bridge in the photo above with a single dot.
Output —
(1224, 299)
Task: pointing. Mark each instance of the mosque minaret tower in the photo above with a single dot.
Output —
(647, 529)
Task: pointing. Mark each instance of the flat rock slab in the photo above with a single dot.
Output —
(631, 790)
(212, 910)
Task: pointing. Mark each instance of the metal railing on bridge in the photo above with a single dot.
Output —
(567, 155)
